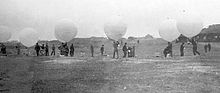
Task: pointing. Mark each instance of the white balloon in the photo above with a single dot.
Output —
(28, 37)
(5, 33)
(65, 30)
(115, 31)
(189, 24)
(168, 30)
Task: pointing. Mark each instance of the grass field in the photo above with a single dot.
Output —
(144, 74)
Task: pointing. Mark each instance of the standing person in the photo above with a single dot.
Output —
(46, 50)
(53, 50)
(3, 49)
(170, 46)
(92, 50)
(129, 51)
(66, 49)
(133, 54)
(71, 50)
(209, 47)
(37, 49)
(115, 45)
(182, 49)
(125, 49)
(194, 47)
(18, 47)
(205, 47)
(42, 51)
(102, 50)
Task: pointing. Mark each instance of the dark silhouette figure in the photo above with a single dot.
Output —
(168, 50)
(66, 49)
(3, 49)
(71, 50)
(209, 47)
(42, 51)
(115, 45)
(182, 49)
(92, 50)
(46, 50)
(170, 47)
(206, 47)
(102, 50)
(133, 52)
(194, 47)
(18, 47)
(129, 52)
(125, 50)
(37, 49)
(53, 50)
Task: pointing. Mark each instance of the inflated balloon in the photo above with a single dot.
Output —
(65, 30)
(115, 31)
(28, 37)
(168, 30)
(5, 33)
(189, 24)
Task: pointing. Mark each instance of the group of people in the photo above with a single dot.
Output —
(65, 50)
(168, 49)
(42, 50)
(128, 50)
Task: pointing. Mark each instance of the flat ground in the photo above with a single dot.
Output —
(143, 74)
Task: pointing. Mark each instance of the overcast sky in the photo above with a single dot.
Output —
(141, 16)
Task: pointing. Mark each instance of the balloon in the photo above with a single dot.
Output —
(65, 30)
(28, 37)
(5, 33)
(168, 30)
(189, 24)
(115, 31)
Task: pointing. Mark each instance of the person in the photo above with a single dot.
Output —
(92, 50)
(182, 49)
(170, 46)
(115, 45)
(129, 52)
(206, 47)
(138, 41)
(3, 49)
(125, 49)
(133, 51)
(168, 50)
(102, 50)
(209, 47)
(42, 51)
(53, 50)
(194, 47)
(66, 49)
(71, 50)
(46, 50)
(37, 49)
(18, 47)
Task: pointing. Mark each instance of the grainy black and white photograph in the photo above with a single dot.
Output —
(109, 46)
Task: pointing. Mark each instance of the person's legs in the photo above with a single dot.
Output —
(125, 53)
(37, 51)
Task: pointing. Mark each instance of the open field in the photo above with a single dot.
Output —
(143, 74)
